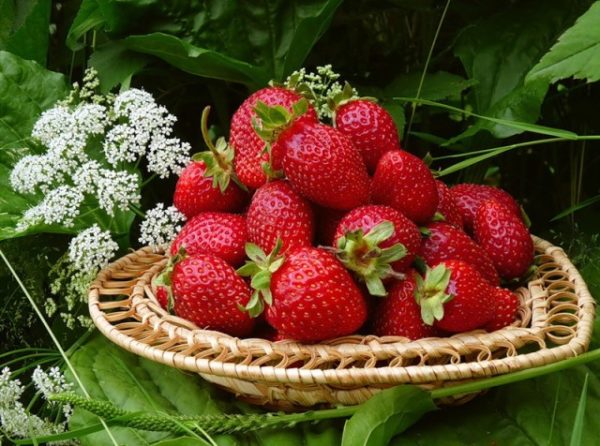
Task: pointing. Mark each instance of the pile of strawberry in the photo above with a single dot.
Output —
(302, 230)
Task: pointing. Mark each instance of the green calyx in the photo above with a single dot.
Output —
(362, 254)
(164, 278)
(431, 295)
(271, 121)
(218, 159)
(347, 94)
(260, 268)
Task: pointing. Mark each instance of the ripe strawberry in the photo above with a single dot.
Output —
(208, 183)
(324, 166)
(446, 242)
(399, 314)
(454, 297)
(370, 127)
(506, 304)
(468, 198)
(250, 153)
(162, 296)
(505, 238)
(310, 295)
(447, 206)
(222, 235)
(405, 183)
(195, 193)
(277, 211)
(208, 292)
(375, 241)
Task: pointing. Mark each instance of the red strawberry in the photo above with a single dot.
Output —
(216, 233)
(208, 183)
(365, 245)
(505, 238)
(370, 127)
(249, 147)
(162, 296)
(446, 242)
(405, 183)
(208, 292)
(447, 206)
(399, 314)
(468, 198)
(310, 295)
(454, 297)
(506, 304)
(324, 166)
(277, 211)
(195, 193)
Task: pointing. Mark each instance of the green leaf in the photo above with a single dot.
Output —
(108, 372)
(576, 54)
(116, 65)
(498, 52)
(24, 28)
(577, 432)
(576, 207)
(436, 86)
(387, 414)
(196, 60)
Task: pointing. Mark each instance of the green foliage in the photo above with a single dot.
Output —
(24, 28)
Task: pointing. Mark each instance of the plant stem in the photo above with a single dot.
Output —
(148, 180)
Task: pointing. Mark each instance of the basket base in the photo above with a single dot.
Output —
(289, 397)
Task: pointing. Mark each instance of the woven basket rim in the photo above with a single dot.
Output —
(208, 352)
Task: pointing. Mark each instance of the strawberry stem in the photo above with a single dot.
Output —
(207, 140)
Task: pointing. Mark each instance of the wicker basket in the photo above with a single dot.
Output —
(554, 322)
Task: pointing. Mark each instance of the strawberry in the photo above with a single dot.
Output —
(447, 207)
(375, 241)
(445, 242)
(454, 297)
(505, 238)
(370, 127)
(277, 211)
(250, 151)
(220, 234)
(468, 198)
(208, 292)
(405, 183)
(313, 152)
(506, 304)
(309, 293)
(399, 314)
(208, 183)
(162, 296)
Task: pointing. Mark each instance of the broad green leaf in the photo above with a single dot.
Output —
(436, 86)
(24, 28)
(498, 52)
(196, 60)
(576, 54)
(133, 383)
(385, 415)
(116, 64)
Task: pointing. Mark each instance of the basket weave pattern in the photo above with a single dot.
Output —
(554, 322)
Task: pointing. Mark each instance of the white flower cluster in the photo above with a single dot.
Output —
(161, 226)
(15, 419)
(324, 86)
(51, 382)
(130, 126)
(91, 249)
(147, 131)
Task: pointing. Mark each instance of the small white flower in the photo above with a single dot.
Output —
(124, 143)
(51, 382)
(52, 124)
(10, 389)
(86, 175)
(117, 189)
(92, 249)
(167, 155)
(90, 119)
(130, 101)
(31, 172)
(59, 206)
(160, 226)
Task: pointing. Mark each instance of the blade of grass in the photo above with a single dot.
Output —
(554, 411)
(425, 68)
(53, 337)
(577, 207)
(577, 432)
(534, 128)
